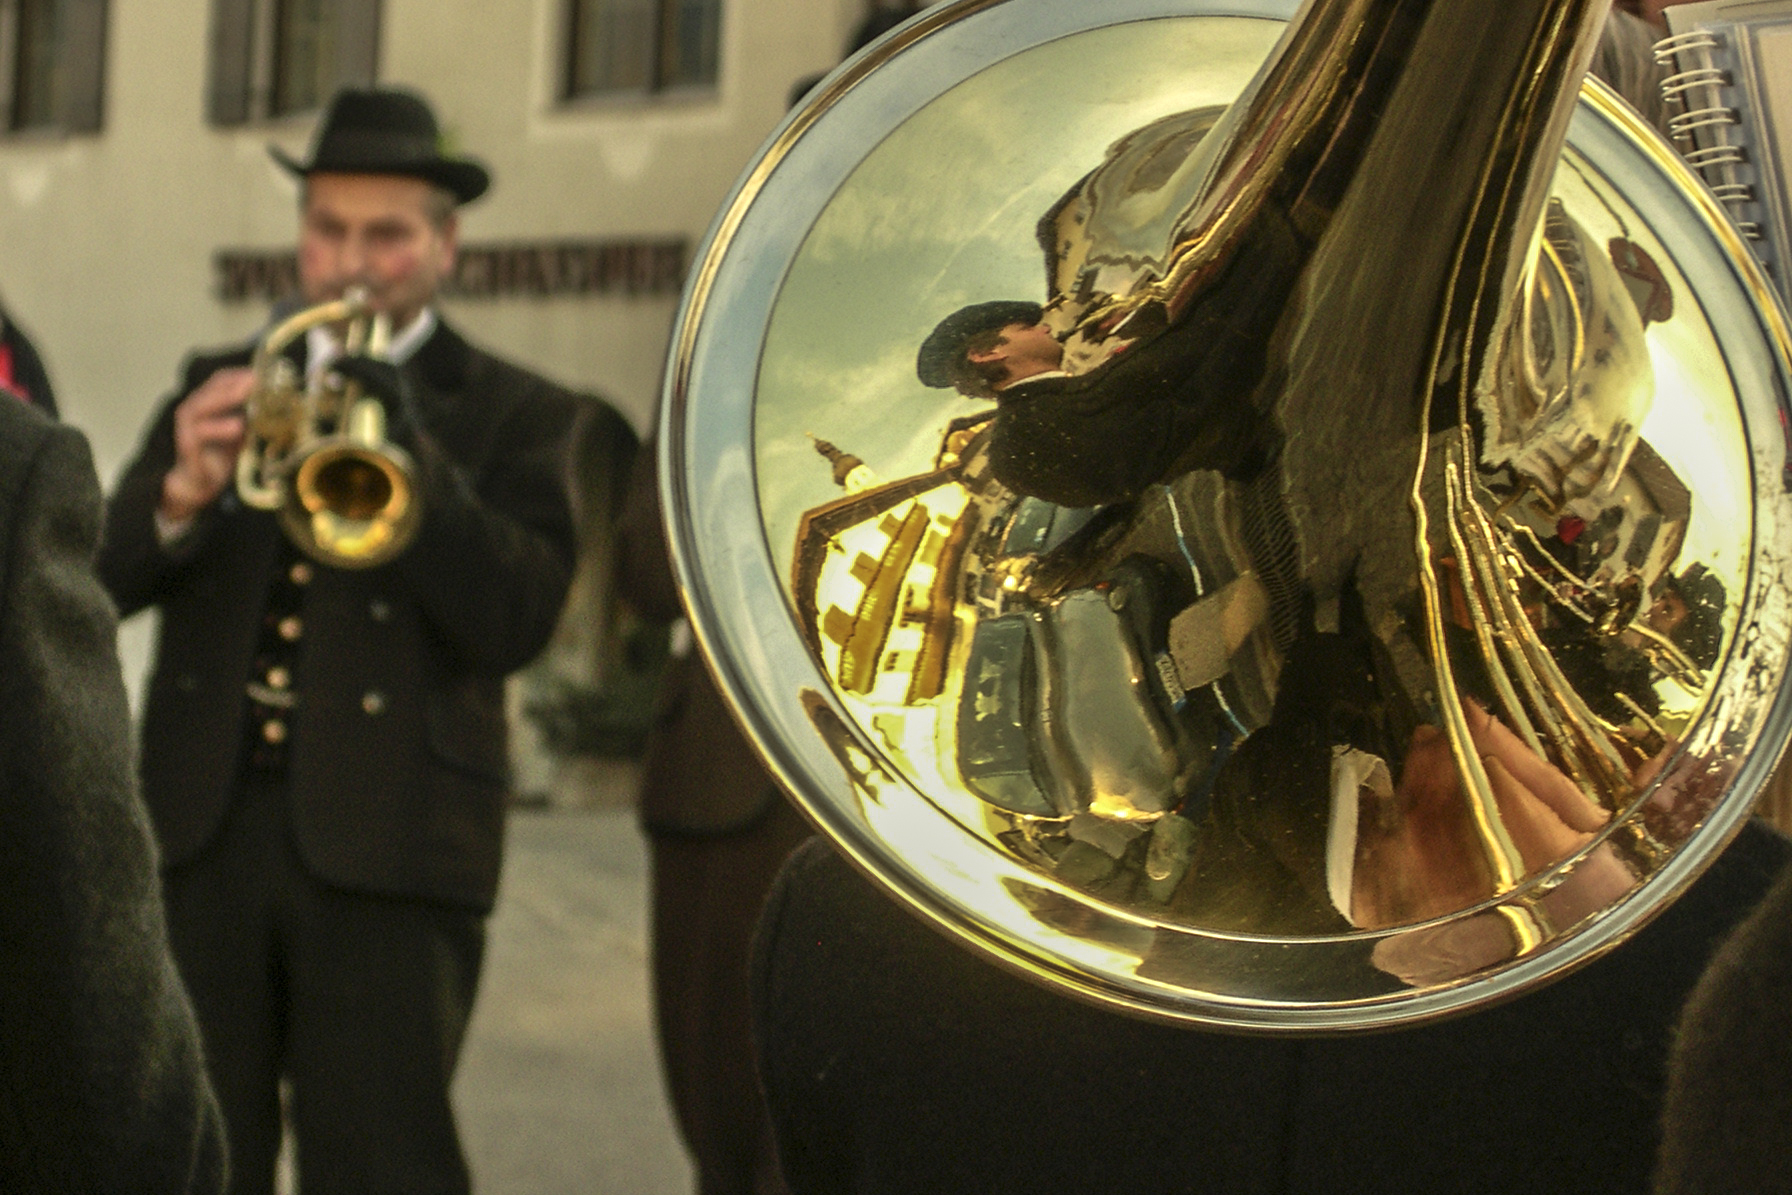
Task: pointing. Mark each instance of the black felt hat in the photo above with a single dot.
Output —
(386, 131)
(945, 344)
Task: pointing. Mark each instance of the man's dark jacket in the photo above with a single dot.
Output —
(102, 1086)
(1729, 1091)
(897, 1063)
(397, 765)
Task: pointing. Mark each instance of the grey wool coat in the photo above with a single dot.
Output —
(102, 1084)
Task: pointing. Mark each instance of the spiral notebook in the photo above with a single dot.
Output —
(1729, 92)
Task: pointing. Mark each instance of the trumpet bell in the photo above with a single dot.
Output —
(351, 506)
(1428, 667)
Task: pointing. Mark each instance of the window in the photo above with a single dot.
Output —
(272, 58)
(618, 47)
(52, 65)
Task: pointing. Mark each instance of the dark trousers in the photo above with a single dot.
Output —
(360, 1002)
(707, 893)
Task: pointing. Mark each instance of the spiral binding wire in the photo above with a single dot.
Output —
(1716, 155)
(1711, 161)
(1698, 39)
(1676, 86)
(1680, 86)
(1681, 126)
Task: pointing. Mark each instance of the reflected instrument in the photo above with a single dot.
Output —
(317, 454)
(1338, 589)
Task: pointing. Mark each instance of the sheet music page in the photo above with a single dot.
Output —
(1740, 11)
(1683, 18)
(1773, 76)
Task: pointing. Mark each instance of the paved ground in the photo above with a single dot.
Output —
(559, 1086)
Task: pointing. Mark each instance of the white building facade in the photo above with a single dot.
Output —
(134, 224)
(141, 216)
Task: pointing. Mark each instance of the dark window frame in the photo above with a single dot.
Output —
(248, 77)
(665, 70)
(58, 89)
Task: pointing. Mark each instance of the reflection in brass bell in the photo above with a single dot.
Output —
(1293, 572)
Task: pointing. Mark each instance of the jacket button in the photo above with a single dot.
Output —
(185, 682)
(379, 610)
(373, 703)
(300, 573)
(290, 628)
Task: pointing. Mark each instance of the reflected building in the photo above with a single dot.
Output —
(877, 581)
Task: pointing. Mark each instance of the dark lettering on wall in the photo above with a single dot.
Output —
(502, 270)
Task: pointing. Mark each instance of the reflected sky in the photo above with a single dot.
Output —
(942, 214)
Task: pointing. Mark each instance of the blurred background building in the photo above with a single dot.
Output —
(140, 214)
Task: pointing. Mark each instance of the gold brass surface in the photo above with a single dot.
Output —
(1359, 598)
(318, 454)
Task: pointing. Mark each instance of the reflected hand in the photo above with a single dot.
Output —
(1419, 854)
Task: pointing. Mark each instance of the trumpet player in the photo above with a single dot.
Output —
(324, 748)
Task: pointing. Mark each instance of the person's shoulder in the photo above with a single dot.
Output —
(23, 431)
(453, 364)
(28, 438)
(18, 417)
(1037, 386)
(518, 379)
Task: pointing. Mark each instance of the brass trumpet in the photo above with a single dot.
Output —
(318, 454)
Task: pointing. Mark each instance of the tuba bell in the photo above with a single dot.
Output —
(1363, 605)
(318, 455)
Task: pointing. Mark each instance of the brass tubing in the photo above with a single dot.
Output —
(1604, 763)
(1510, 618)
(1481, 617)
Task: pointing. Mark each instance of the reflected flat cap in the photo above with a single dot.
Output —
(946, 342)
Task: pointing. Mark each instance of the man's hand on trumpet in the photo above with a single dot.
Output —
(382, 380)
(209, 429)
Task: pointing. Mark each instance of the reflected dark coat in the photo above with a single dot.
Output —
(1182, 399)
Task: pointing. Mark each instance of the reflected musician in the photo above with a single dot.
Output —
(1281, 683)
